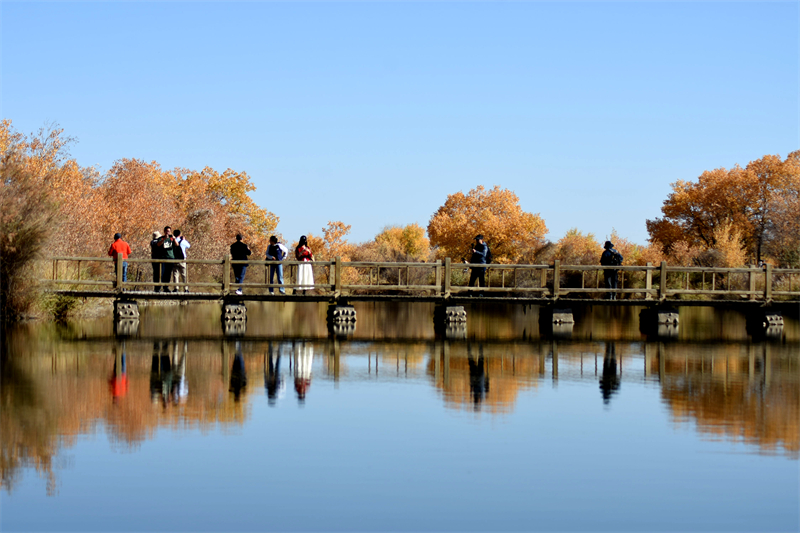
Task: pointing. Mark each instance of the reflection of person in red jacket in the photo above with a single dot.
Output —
(118, 384)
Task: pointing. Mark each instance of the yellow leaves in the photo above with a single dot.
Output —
(495, 213)
(406, 243)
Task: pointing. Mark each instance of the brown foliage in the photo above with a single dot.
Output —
(511, 232)
(761, 202)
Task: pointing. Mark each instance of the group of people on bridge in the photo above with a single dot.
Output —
(174, 246)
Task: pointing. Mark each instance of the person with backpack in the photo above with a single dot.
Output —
(610, 257)
(276, 251)
(480, 255)
(179, 271)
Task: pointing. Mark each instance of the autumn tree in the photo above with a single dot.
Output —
(406, 243)
(495, 213)
(758, 202)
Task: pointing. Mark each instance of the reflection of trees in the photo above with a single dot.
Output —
(749, 393)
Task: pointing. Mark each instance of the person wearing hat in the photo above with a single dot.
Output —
(610, 257)
(120, 250)
(480, 253)
(155, 253)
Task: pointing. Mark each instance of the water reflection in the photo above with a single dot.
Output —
(55, 385)
(609, 382)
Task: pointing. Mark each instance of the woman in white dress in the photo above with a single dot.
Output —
(305, 274)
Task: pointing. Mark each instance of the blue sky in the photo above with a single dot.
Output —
(373, 112)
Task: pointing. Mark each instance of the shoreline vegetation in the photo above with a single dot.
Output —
(51, 205)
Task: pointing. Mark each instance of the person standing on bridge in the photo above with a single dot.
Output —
(166, 244)
(610, 257)
(305, 274)
(181, 252)
(155, 253)
(276, 251)
(239, 252)
(120, 250)
(480, 255)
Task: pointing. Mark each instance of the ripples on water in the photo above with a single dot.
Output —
(395, 426)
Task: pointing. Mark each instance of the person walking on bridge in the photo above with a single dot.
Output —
(480, 255)
(610, 257)
(120, 250)
(239, 252)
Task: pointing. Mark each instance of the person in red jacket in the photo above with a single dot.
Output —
(122, 250)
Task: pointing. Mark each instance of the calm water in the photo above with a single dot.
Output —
(395, 427)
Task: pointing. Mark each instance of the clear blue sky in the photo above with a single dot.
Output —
(372, 113)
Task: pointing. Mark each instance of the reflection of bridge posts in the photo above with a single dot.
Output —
(336, 351)
(446, 364)
(554, 348)
(226, 351)
(662, 361)
(767, 365)
(648, 358)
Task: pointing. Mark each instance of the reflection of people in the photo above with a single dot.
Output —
(161, 374)
(238, 374)
(610, 257)
(479, 256)
(119, 379)
(120, 249)
(239, 252)
(609, 381)
(272, 373)
(168, 373)
(303, 359)
(478, 380)
(305, 274)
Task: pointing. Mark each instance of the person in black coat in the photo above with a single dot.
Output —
(479, 256)
(610, 257)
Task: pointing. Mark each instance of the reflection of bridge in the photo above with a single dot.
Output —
(556, 287)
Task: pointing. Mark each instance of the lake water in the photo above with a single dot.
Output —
(395, 426)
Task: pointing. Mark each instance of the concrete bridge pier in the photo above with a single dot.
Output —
(234, 319)
(659, 322)
(450, 321)
(341, 319)
(557, 322)
(765, 323)
(126, 318)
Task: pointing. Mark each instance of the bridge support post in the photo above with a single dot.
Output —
(234, 319)
(765, 323)
(450, 321)
(341, 318)
(556, 321)
(662, 322)
(126, 318)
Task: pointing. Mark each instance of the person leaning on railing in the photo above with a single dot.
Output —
(122, 250)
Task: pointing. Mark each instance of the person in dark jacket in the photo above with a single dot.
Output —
(479, 256)
(166, 244)
(610, 257)
(239, 252)
(155, 253)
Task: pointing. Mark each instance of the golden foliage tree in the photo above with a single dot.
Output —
(407, 243)
(511, 232)
(758, 201)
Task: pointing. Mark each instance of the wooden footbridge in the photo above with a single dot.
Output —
(93, 277)
(764, 292)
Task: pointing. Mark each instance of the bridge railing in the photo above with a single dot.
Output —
(439, 278)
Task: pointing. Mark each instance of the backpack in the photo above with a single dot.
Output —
(178, 252)
(616, 258)
(488, 254)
